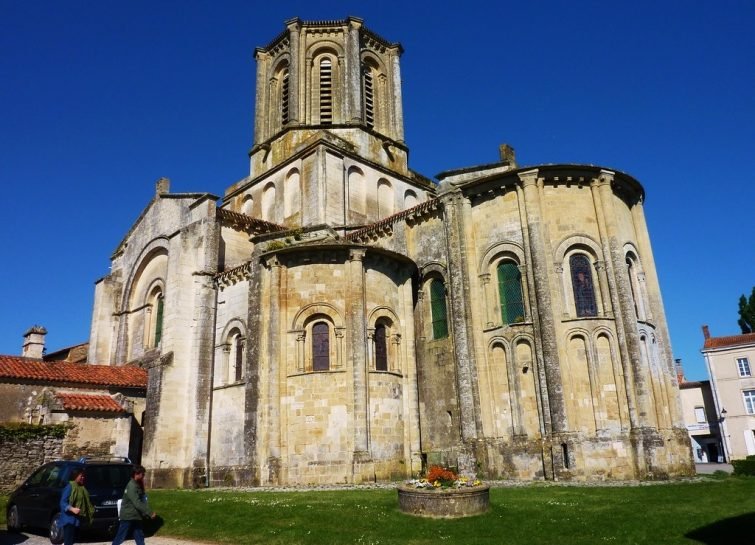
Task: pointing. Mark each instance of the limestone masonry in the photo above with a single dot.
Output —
(339, 318)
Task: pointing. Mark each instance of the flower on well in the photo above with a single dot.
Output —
(440, 477)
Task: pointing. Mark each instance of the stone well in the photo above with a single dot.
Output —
(444, 503)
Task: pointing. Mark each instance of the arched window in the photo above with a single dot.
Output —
(582, 284)
(357, 191)
(368, 95)
(381, 347)
(438, 309)
(410, 199)
(510, 292)
(320, 347)
(326, 91)
(154, 322)
(385, 198)
(268, 202)
(247, 205)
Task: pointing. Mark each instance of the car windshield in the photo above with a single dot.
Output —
(107, 476)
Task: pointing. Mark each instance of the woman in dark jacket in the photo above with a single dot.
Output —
(134, 508)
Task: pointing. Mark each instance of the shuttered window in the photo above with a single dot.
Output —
(368, 95)
(438, 309)
(510, 292)
(326, 92)
(284, 98)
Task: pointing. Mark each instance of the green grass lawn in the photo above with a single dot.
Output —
(711, 512)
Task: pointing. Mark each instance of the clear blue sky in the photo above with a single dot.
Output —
(100, 98)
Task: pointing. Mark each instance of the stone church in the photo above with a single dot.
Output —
(337, 317)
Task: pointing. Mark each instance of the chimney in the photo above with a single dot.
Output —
(679, 371)
(34, 342)
(162, 186)
(706, 332)
(507, 154)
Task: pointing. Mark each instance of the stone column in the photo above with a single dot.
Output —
(487, 305)
(460, 316)
(358, 345)
(273, 358)
(261, 95)
(253, 356)
(543, 314)
(397, 115)
(293, 71)
(626, 321)
(353, 74)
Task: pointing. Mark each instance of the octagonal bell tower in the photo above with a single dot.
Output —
(334, 76)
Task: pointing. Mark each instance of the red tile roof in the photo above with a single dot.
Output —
(731, 340)
(128, 376)
(81, 402)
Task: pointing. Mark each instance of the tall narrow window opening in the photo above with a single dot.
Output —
(326, 91)
(320, 347)
(239, 363)
(510, 292)
(368, 96)
(630, 272)
(584, 292)
(438, 309)
(284, 97)
(381, 347)
(159, 320)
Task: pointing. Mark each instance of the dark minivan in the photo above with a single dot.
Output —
(36, 502)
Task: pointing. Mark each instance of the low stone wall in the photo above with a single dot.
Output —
(19, 457)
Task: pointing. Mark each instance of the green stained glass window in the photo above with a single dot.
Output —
(510, 292)
(438, 309)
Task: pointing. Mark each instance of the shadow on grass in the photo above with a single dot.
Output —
(730, 531)
(151, 526)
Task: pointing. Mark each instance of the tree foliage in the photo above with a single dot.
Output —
(747, 313)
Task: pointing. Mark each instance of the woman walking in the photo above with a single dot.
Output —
(75, 506)
(134, 508)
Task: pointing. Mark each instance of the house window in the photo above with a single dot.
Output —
(700, 415)
(510, 292)
(326, 91)
(743, 365)
(749, 397)
(320, 347)
(381, 347)
(438, 309)
(584, 292)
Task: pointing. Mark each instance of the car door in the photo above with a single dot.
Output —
(49, 493)
(27, 499)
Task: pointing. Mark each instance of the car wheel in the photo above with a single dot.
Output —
(56, 530)
(13, 522)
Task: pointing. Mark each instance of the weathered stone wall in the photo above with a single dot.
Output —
(18, 458)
